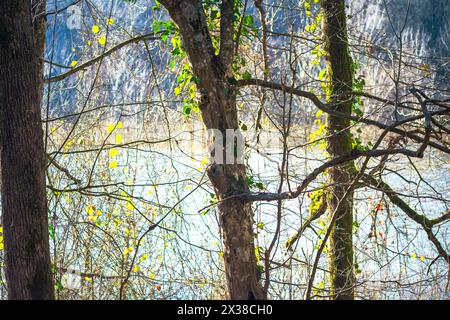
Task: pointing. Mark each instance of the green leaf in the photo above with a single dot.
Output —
(51, 232)
(176, 52)
(358, 112)
(246, 75)
(248, 21)
(260, 185)
(195, 80)
(187, 109)
(58, 285)
(157, 6)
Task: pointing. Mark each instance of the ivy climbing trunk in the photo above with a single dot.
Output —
(24, 205)
(339, 143)
(219, 112)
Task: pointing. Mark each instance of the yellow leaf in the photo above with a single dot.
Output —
(90, 209)
(89, 43)
(110, 21)
(113, 164)
(113, 152)
(422, 258)
(87, 278)
(95, 29)
(129, 206)
(136, 269)
(152, 276)
(119, 138)
(102, 40)
(144, 257)
(414, 255)
(205, 161)
(73, 63)
(1, 246)
(110, 127)
(119, 125)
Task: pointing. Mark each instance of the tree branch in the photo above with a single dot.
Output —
(422, 220)
(353, 155)
(327, 109)
(62, 76)
(314, 216)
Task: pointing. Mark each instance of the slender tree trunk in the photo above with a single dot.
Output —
(219, 112)
(340, 142)
(24, 204)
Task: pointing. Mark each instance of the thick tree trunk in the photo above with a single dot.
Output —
(236, 217)
(340, 142)
(24, 205)
(219, 112)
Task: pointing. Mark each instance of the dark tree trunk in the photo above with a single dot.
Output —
(24, 204)
(340, 142)
(218, 106)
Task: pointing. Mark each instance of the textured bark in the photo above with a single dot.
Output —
(340, 142)
(218, 107)
(24, 205)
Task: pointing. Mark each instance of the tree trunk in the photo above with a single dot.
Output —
(340, 142)
(24, 204)
(219, 112)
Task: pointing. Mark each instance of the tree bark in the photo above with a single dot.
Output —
(340, 142)
(24, 204)
(219, 112)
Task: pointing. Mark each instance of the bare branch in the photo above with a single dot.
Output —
(62, 76)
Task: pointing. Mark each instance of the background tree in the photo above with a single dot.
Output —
(339, 143)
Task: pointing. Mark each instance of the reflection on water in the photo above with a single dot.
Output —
(105, 232)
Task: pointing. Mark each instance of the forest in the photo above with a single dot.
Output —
(225, 150)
